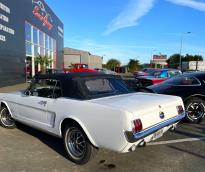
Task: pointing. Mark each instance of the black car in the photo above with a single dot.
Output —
(191, 88)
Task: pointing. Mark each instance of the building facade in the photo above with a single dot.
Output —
(28, 28)
(73, 56)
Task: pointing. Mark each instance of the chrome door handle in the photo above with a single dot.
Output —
(43, 103)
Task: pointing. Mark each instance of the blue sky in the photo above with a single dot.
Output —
(132, 28)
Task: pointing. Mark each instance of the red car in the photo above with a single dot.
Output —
(158, 77)
(79, 67)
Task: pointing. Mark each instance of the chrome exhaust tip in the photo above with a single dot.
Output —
(173, 128)
(142, 144)
(132, 148)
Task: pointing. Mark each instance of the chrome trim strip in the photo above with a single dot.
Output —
(137, 136)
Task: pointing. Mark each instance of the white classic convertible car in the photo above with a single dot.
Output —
(91, 111)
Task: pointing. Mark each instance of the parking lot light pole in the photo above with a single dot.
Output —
(180, 53)
(103, 57)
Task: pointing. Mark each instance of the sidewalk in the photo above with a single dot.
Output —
(14, 88)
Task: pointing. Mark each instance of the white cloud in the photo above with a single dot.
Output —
(190, 3)
(130, 15)
(136, 9)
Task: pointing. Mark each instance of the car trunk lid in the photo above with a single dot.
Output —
(150, 108)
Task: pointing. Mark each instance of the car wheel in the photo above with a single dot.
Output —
(195, 109)
(77, 145)
(5, 118)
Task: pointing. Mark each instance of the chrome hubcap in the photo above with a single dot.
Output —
(76, 143)
(6, 118)
(195, 110)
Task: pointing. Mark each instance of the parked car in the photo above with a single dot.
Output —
(91, 111)
(106, 71)
(191, 88)
(157, 77)
(79, 68)
(145, 72)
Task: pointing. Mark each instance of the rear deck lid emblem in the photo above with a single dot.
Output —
(161, 115)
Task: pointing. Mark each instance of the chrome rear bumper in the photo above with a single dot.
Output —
(134, 137)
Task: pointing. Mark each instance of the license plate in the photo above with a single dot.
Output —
(158, 134)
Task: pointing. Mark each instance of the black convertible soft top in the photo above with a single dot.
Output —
(65, 76)
(73, 84)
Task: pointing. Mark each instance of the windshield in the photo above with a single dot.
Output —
(161, 74)
(166, 73)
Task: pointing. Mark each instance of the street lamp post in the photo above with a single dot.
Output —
(180, 53)
(103, 56)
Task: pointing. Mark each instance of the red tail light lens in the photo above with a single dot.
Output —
(137, 126)
(180, 109)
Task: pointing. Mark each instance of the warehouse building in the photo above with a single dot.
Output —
(193, 65)
(74, 56)
(28, 28)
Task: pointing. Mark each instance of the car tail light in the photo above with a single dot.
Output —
(180, 109)
(137, 126)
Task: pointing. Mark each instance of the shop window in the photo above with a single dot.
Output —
(50, 44)
(47, 53)
(28, 32)
(41, 38)
(28, 49)
(36, 51)
(54, 60)
(35, 36)
(51, 55)
(54, 45)
(42, 51)
(47, 42)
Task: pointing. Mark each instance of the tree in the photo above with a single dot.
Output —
(104, 66)
(113, 63)
(198, 58)
(173, 60)
(133, 65)
(43, 61)
(189, 57)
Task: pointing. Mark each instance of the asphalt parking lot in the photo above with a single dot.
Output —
(28, 150)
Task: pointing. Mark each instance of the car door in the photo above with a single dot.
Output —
(33, 106)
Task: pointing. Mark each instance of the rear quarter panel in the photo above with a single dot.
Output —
(103, 125)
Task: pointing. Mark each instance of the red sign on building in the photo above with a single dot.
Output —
(40, 12)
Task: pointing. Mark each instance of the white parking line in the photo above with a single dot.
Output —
(176, 141)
